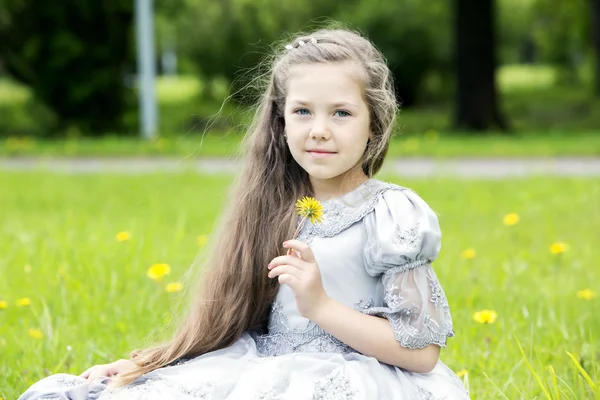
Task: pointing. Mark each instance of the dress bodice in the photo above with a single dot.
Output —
(339, 243)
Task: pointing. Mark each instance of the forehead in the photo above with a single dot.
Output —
(323, 81)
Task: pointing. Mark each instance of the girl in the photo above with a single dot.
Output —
(355, 311)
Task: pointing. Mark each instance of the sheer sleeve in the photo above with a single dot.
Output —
(403, 239)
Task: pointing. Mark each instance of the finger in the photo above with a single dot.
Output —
(301, 247)
(285, 269)
(287, 279)
(85, 374)
(99, 373)
(294, 253)
(287, 260)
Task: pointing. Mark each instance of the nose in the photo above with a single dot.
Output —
(320, 130)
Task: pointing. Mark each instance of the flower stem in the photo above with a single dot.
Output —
(299, 227)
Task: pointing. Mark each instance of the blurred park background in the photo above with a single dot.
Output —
(93, 265)
(509, 70)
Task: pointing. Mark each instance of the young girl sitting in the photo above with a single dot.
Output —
(352, 308)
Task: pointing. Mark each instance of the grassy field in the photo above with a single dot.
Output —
(72, 295)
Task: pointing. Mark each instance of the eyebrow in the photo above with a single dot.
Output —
(337, 104)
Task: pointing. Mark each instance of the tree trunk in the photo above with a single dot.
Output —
(476, 94)
(595, 13)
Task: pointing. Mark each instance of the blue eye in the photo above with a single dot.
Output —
(301, 111)
(342, 113)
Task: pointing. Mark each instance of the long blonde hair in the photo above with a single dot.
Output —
(235, 295)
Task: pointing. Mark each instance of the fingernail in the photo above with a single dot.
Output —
(284, 244)
(269, 266)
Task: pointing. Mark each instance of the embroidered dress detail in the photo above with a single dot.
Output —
(282, 339)
(335, 386)
(408, 239)
(421, 319)
(338, 216)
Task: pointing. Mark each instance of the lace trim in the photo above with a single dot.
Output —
(282, 339)
(339, 216)
(407, 334)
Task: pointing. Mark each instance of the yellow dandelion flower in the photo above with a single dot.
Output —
(511, 219)
(158, 271)
(202, 240)
(3, 304)
(23, 302)
(485, 316)
(558, 247)
(461, 373)
(468, 254)
(586, 294)
(173, 287)
(123, 236)
(310, 208)
(35, 333)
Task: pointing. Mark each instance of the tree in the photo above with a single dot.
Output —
(73, 57)
(475, 60)
(595, 13)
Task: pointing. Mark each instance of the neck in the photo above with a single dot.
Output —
(325, 189)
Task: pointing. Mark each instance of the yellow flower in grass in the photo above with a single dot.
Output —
(23, 302)
(461, 373)
(310, 208)
(3, 304)
(558, 248)
(123, 236)
(35, 333)
(485, 316)
(174, 287)
(158, 271)
(202, 240)
(468, 254)
(586, 294)
(511, 219)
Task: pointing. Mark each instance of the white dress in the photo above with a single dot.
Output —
(374, 249)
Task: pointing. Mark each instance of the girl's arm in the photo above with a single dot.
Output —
(372, 336)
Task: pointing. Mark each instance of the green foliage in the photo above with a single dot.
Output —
(410, 37)
(73, 57)
(407, 33)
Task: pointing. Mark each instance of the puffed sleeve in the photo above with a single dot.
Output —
(403, 239)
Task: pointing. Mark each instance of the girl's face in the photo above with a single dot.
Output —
(326, 119)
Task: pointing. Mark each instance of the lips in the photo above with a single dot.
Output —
(320, 151)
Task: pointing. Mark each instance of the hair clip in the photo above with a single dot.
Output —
(289, 46)
(301, 42)
(313, 40)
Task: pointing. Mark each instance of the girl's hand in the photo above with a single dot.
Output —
(300, 272)
(107, 370)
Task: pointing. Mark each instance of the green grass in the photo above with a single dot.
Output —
(90, 292)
